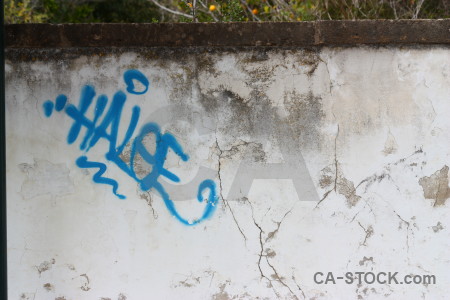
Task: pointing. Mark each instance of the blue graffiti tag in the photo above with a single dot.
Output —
(131, 75)
(82, 162)
(108, 130)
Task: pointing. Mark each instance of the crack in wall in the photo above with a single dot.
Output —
(335, 159)
(225, 201)
(342, 185)
(146, 195)
(335, 170)
(298, 287)
(407, 229)
(272, 234)
(368, 231)
(275, 276)
(253, 148)
(329, 74)
(376, 178)
(384, 174)
(346, 188)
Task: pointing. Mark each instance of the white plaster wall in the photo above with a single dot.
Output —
(371, 126)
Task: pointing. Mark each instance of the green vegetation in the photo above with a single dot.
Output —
(67, 11)
(145, 11)
(23, 12)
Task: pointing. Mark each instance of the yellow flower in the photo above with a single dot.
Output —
(189, 4)
(212, 7)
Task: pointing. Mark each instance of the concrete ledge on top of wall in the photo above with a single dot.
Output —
(283, 34)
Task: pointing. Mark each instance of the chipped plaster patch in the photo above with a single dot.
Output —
(436, 186)
(44, 177)
(45, 266)
(438, 227)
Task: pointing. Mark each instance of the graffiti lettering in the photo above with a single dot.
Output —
(108, 129)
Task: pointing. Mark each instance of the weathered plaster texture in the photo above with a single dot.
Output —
(365, 130)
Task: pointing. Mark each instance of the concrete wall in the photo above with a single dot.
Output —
(304, 159)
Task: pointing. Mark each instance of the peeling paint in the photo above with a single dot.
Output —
(45, 266)
(222, 294)
(85, 287)
(49, 287)
(327, 177)
(438, 227)
(346, 188)
(366, 260)
(436, 186)
(27, 296)
(121, 297)
(390, 146)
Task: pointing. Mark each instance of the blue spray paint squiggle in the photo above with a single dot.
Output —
(108, 130)
(82, 162)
